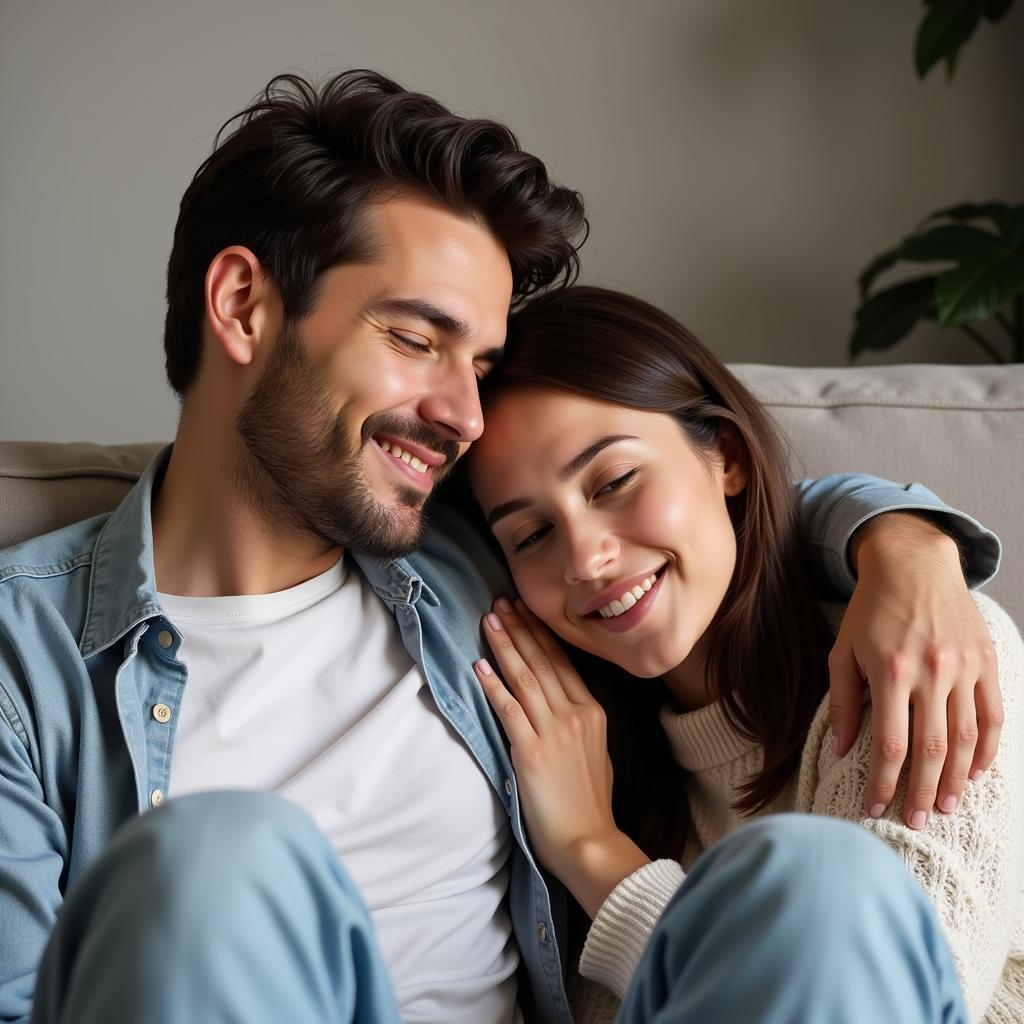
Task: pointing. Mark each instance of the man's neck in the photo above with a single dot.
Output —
(210, 541)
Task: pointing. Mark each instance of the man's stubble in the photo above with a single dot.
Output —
(301, 467)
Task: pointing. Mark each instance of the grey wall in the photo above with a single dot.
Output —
(741, 160)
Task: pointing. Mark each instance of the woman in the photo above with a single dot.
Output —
(640, 496)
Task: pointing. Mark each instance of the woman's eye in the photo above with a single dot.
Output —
(407, 342)
(619, 481)
(529, 539)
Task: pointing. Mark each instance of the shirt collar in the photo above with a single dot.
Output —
(395, 581)
(122, 590)
(123, 585)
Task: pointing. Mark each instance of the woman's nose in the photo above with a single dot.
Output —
(592, 553)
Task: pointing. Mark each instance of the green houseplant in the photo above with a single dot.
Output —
(978, 285)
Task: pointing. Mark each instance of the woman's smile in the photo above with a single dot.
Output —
(615, 528)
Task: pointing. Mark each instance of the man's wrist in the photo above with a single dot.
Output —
(897, 535)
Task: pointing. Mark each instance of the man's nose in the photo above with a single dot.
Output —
(452, 407)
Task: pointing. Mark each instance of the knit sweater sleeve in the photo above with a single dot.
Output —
(623, 926)
(970, 863)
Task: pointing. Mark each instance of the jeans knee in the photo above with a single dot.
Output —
(203, 845)
(230, 817)
(827, 861)
(816, 845)
(812, 912)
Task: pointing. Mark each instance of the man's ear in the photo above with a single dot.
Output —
(735, 459)
(238, 301)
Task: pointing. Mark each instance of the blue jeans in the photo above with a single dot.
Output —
(793, 918)
(233, 907)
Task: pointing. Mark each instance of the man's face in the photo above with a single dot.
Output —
(365, 405)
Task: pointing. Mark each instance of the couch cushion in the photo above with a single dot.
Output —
(44, 486)
(957, 429)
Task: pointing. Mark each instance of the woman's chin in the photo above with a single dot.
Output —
(649, 665)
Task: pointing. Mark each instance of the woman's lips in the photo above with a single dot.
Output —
(632, 616)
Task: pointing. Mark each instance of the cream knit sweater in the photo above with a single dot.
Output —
(970, 863)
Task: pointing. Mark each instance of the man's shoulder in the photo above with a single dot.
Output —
(51, 554)
(44, 598)
(453, 542)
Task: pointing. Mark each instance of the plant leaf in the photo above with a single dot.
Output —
(953, 242)
(972, 211)
(995, 212)
(977, 288)
(890, 315)
(1012, 230)
(944, 29)
(877, 266)
(996, 9)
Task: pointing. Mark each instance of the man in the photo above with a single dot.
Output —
(266, 612)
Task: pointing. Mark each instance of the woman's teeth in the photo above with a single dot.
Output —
(401, 453)
(628, 599)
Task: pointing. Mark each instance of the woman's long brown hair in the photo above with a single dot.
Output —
(768, 643)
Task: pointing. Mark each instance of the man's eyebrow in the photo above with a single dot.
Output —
(422, 309)
(570, 469)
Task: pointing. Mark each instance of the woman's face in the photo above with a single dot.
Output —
(615, 528)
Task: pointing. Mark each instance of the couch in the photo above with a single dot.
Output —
(957, 429)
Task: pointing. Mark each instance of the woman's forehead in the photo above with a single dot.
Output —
(532, 432)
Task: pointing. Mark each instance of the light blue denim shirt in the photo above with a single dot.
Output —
(86, 653)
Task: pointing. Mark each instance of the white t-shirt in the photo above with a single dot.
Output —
(310, 693)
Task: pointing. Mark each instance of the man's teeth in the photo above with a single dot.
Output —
(401, 453)
(628, 599)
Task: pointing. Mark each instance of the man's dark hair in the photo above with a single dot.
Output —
(292, 181)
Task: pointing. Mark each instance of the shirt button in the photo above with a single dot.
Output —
(164, 639)
(156, 798)
(508, 786)
(162, 713)
(542, 932)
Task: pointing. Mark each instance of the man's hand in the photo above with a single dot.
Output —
(914, 635)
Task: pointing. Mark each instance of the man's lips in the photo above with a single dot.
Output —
(422, 479)
(427, 455)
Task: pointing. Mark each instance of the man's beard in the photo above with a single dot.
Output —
(301, 467)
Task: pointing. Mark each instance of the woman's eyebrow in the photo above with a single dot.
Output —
(585, 457)
(570, 469)
(506, 509)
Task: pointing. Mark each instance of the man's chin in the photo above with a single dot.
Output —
(396, 533)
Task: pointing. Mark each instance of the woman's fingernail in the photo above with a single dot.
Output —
(877, 810)
(977, 775)
(503, 605)
(949, 804)
(493, 621)
(919, 819)
(835, 744)
(484, 667)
